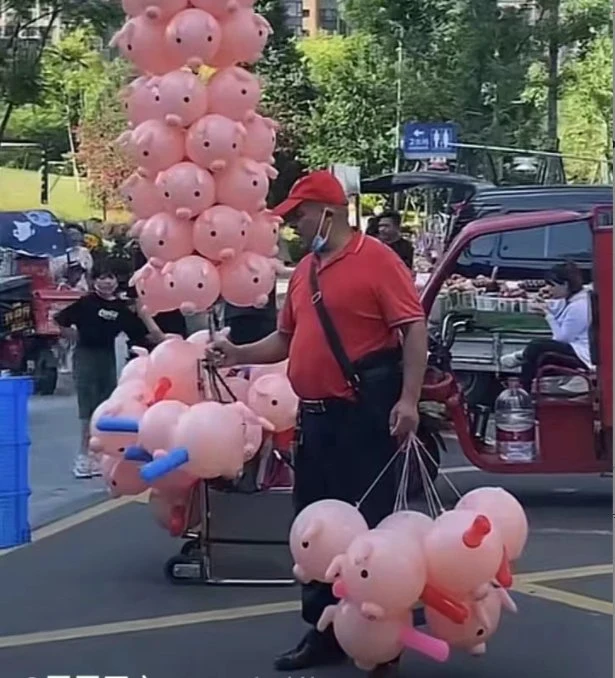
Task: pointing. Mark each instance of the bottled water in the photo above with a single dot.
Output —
(515, 424)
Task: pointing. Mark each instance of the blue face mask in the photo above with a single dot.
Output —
(318, 245)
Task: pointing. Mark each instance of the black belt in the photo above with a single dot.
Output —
(325, 405)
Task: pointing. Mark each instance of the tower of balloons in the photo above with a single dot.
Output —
(202, 153)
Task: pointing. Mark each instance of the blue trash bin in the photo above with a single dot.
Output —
(14, 453)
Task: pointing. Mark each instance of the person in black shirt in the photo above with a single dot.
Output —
(94, 321)
(251, 324)
(389, 232)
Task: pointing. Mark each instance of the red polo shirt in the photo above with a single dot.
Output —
(369, 293)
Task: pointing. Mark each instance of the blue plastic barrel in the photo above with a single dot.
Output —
(14, 453)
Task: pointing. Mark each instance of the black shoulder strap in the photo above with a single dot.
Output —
(333, 338)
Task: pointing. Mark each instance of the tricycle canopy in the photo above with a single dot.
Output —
(34, 233)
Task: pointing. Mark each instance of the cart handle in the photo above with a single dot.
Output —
(117, 425)
(163, 465)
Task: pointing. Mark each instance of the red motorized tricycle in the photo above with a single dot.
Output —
(574, 429)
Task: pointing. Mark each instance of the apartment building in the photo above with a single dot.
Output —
(310, 17)
(37, 20)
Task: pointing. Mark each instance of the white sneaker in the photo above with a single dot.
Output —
(82, 468)
(512, 360)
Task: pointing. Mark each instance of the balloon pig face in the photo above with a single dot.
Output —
(187, 190)
(319, 533)
(382, 575)
(193, 282)
(260, 139)
(193, 37)
(122, 477)
(244, 185)
(247, 280)
(273, 398)
(214, 141)
(180, 98)
(114, 444)
(264, 234)
(141, 196)
(153, 146)
(138, 100)
(141, 41)
(234, 93)
(166, 238)
(151, 289)
(155, 10)
(221, 233)
(244, 36)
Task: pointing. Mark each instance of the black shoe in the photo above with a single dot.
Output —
(315, 649)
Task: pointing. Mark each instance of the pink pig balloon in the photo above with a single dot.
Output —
(384, 576)
(138, 368)
(319, 533)
(221, 9)
(214, 141)
(234, 93)
(114, 444)
(264, 234)
(166, 237)
(213, 434)
(244, 185)
(273, 398)
(153, 146)
(221, 233)
(155, 10)
(138, 99)
(156, 425)
(176, 360)
(463, 551)
(247, 280)
(193, 282)
(193, 37)
(122, 477)
(244, 36)
(141, 41)
(187, 190)
(253, 430)
(151, 289)
(140, 390)
(260, 139)
(504, 511)
(472, 634)
(180, 96)
(175, 511)
(141, 196)
(407, 524)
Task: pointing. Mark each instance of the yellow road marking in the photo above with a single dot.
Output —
(566, 598)
(157, 623)
(569, 573)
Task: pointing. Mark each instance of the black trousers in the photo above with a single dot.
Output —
(536, 349)
(246, 329)
(341, 448)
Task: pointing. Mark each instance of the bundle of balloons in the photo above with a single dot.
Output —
(457, 565)
(202, 154)
(162, 429)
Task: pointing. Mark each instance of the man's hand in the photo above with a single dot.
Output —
(539, 307)
(404, 419)
(223, 353)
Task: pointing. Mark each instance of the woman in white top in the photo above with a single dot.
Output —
(568, 313)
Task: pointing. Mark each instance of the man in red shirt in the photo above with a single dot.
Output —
(354, 332)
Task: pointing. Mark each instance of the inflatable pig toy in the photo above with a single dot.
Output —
(247, 280)
(142, 42)
(155, 10)
(152, 289)
(407, 524)
(244, 185)
(193, 282)
(463, 552)
(208, 442)
(180, 96)
(193, 37)
(175, 511)
(260, 139)
(264, 233)
(138, 100)
(214, 141)
(134, 389)
(244, 36)
(141, 196)
(222, 9)
(122, 477)
(153, 146)
(473, 634)
(504, 511)
(175, 361)
(187, 190)
(166, 238)
(137, 368)
(114, 444)
(371, 643)
(273, 398)
(382, 575)
(234, 93)
(319, 533)
(221, 233)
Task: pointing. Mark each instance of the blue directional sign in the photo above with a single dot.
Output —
(429, 140)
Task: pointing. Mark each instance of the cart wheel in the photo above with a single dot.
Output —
(183, 569)
(415, 481)
(190, 547)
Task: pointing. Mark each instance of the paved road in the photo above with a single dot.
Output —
(91, 599)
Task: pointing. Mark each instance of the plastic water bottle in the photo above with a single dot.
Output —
(514, 424)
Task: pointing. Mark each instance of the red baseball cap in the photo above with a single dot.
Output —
(320, 186)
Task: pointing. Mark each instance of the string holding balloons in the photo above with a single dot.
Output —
(202, 153)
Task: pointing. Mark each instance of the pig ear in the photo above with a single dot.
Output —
(507, 601)
(124, 139)
(266, 424)
(139, 351)
(312, 530)
(131, 181)
(241, 129)
(335, 568)
(261, 21)
(168, 268)
(153, 12)
(156, 263)
(270, 171)
(115, 39)
(362, 552)
(246, 219)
